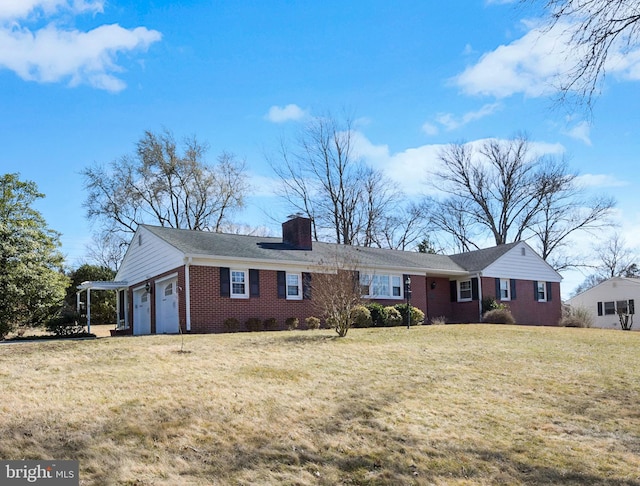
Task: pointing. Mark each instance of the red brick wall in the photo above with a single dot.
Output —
(438, 301)
(524, 308)
(209, 310)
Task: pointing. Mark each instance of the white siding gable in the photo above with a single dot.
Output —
(522, 263)
(148, 256)
(612, 290)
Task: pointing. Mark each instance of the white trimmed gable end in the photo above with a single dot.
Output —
(522, 263)
(148, 256)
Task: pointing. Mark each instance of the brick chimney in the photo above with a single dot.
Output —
(297, 232)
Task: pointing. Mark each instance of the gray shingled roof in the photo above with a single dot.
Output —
(478, 260)
(204, 243)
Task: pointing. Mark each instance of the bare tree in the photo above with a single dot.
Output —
(159, 184)
(323, 178)
(615, 258)
(336, 292)
(504, 192)
(596, 29)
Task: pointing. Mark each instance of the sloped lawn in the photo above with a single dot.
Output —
(474, 404)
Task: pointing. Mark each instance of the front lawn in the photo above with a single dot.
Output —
(474, 404)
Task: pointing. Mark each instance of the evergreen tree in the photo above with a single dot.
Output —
(32, 285)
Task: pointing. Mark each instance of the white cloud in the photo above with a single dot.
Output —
(51, 54)
(21, 9)
(600, 181)
(283, 114)
(537, 64)
(581, 132)
(529, 65)
(430, 129)
(450, 122)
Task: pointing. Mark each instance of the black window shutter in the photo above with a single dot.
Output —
(453, 290)
(549, 293)
(498, 289)
(474, 289)
(535, 291)
(632, 307)
(599, 308)
(512, 284)
(225, 282)
(254, 283)
(306, 286)
(282, 285)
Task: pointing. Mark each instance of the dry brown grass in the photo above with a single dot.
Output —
(431, 405)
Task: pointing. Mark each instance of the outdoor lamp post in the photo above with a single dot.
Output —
(407, 293)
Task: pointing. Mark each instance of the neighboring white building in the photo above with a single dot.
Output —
(605, 300)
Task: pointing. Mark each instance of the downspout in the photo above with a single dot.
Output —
(478, 276)
(187, 292)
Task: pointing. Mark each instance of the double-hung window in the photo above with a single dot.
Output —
(542, 291)
(464, 290)
(294, 286)
(239, 284)
(505, 289)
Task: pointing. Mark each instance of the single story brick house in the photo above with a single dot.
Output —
(175, 280)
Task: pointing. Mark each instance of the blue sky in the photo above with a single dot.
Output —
(82, 79)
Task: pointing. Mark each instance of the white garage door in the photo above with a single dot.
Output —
(167, 306)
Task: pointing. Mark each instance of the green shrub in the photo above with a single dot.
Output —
(361, 316)
(66, 323)
(576, 317)
(417, 316)
(271, 324)
(379, 316)
(292, 323)
(490, 303)
(253, 324)
(312, 322)
(394, 317)
(498, 316)
(231, 324)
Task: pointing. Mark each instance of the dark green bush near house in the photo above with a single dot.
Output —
(490, 303)
(378, 313)
(498, 316)
(417, 316)
(312, 322)
(292, 323)
(253, 324)
(361, 317)
(231, 324)
(271, 324)
(66, 323)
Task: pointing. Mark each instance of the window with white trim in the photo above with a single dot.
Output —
(239, 286)
(464, 290)
(294, 286)
(381, 286)
(542, 291)
(505, 289)
(168, 290)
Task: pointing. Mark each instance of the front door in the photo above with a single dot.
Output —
(141, 312)
(167, 306)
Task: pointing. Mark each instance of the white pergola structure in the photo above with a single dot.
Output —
(96, 285)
